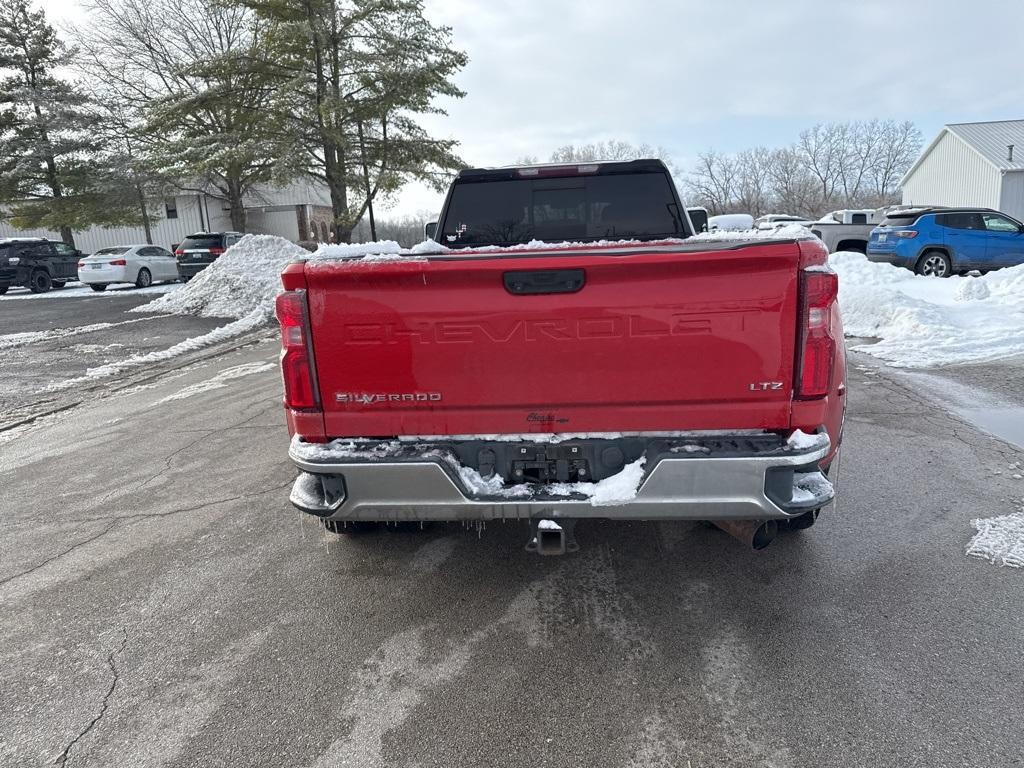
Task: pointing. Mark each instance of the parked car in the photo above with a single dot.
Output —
(942, 241)
(660, 380)
(36, 263)
(731, 222)
(848, 229)
(198, 251)
(139, 264)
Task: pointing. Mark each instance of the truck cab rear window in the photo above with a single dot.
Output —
(614, 207)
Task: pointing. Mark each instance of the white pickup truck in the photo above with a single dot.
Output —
(847, 230)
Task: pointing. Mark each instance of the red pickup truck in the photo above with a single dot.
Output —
(567, 350)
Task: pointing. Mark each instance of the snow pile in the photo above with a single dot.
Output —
(999, 540)
(243, 281)
(928, 321)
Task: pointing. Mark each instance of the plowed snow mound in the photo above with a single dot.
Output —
(929, 321)
(243, 281)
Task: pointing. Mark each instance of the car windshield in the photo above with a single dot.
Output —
(612, 207)
(201, 241)
(112, 251)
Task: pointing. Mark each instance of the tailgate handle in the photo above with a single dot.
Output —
(545, 281)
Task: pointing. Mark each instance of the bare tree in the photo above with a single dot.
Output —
(753, 177)
(610, 150)
(855, 165)
(823, 147)
(794, 189)
(899, 146)
(713, 183)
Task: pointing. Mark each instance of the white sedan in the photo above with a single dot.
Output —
(139, 264)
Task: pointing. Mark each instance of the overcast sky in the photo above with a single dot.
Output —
(725, 74)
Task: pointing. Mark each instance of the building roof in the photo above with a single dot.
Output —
(990, 140)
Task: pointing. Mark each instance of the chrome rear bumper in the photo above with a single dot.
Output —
(424, 483)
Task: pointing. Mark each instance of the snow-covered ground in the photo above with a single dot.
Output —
(999, 540)
(928, 321)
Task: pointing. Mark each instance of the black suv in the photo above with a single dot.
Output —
(196, 252)
(36, 264)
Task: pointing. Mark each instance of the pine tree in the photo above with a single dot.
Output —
(351, 78)
(51, 156)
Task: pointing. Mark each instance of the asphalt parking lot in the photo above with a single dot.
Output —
(164, 606)
(49, 339)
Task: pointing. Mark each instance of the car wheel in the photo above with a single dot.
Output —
(40, 281)
(59, 283)
(934, 264)
(185, 278)
(98, 286)
(3, 289)
(144, 279)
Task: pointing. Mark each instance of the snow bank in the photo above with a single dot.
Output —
(999, 540)
(927, 321)
(244, 280)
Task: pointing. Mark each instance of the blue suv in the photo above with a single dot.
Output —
(945, 241)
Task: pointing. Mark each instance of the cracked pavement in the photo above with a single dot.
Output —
(164, 606)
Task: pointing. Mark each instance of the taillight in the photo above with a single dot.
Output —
(906, 234)
(179, 252)
(819, 287)
(216, 251)
(118, 263)
(296, 364)
(81, 264)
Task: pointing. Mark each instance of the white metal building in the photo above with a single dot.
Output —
(978, 164)
(296, 212)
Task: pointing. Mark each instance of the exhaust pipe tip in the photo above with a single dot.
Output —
(756, 534)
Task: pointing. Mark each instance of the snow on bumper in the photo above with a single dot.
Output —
(695, 480)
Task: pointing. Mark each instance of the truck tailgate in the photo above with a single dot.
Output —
(654, 339)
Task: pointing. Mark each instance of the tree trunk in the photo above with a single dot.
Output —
(235, 204)
(366, 182)
(145, 214)
(51, 175)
